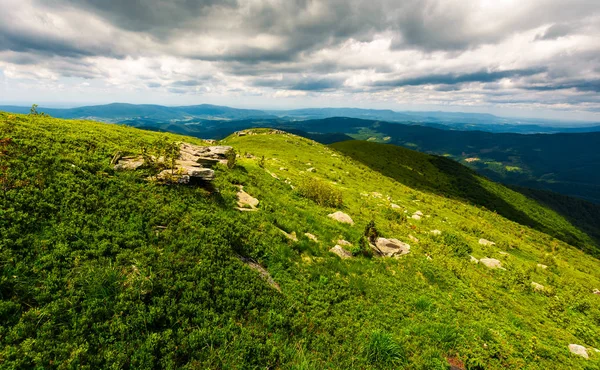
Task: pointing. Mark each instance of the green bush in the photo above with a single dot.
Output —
(460, 247)
(320, 192)
(383, 351)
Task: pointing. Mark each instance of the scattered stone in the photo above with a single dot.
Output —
(413, 239)
(246, 201)
(341, 252)
(418, 213)
(263, 272)
(543, 267)
(474, 260)
(249, 156)
(596, 291)
(273, 175)
(282, 169)
(416, 217)
(578, 350)
(344, 243)
(486, 242)
(311, 237)
(291, 236)
(390, 247)
(492, 263)
(503, 253)
(341, 217)
(312, 169)
(436, 232)
(395, 206)
(376, 194)
(537, 286)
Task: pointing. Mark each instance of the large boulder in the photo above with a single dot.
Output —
(390, 247)
(341, 217)
(578, 350)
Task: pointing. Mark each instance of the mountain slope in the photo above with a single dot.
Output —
(446, 177)
(102, 268)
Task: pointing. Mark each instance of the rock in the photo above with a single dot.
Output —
(272, 175)
(341, 217)
(282, 169)
(418, 213)
(311, 237)
(376, 194)
(129, 163)
(504, 253)
(291, 236)
(341, 252)
(474, 260)
(245, 200)
(205, 155)
(391, 247)
(395, 206)
(491, 263)
(344, 243)
(312, 169)
(413, 239)
(249, 156)
(543, 267)
(537, 286)
(435, 232)
(415, 217)
(486, 242)
(263, 272)
(578, 350)
(596, 291)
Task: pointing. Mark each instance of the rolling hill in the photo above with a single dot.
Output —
(102, 268)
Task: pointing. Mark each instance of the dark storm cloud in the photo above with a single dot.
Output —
(454, 79)
(581, 85)
(301, 84)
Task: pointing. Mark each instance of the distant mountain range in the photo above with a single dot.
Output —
(158, 114)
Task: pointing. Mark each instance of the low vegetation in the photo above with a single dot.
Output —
(105, 269)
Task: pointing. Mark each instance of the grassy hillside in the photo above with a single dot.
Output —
(564, 163)
(446, 177)
(104, 269)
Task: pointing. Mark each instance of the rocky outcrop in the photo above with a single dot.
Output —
(341, 252)
(194, 163)
(390, 247)
(578, 350)
(341, 217)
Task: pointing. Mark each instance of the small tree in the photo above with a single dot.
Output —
(231, 156)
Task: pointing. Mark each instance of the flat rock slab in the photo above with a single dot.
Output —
(291, 236)
(263, 272)
(415, 217)
(129, 163)
(486, 242)
(391, 247)
(492, 263)
(341, 252)
(311, 237)
(245, 200)
(578, 350)
(537, 286)
(341, 217)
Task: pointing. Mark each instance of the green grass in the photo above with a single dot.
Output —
(103, 269)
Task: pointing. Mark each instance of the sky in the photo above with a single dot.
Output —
(532, 58)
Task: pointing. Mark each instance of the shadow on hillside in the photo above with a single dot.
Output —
(447, 178)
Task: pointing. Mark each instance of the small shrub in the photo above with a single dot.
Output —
(460, 247)
(231, 156)
(382, 350)
(320, 192)
(261, 162)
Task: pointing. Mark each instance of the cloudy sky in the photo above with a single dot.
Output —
(509, 57)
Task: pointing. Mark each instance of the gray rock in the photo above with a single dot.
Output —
(291, 236)
(578, 350)
(341, 217)
(245, 200)
(436, 232)
(262, 271)
(474, 260)
(486, 242)
(311, 237)
(491, 263)
(391, 247)
(416, 217)
(129, 163)
(341, 252)
(536, 286)
(543, 267)
(344, 243)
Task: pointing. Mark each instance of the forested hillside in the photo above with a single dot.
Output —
(108, 268)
